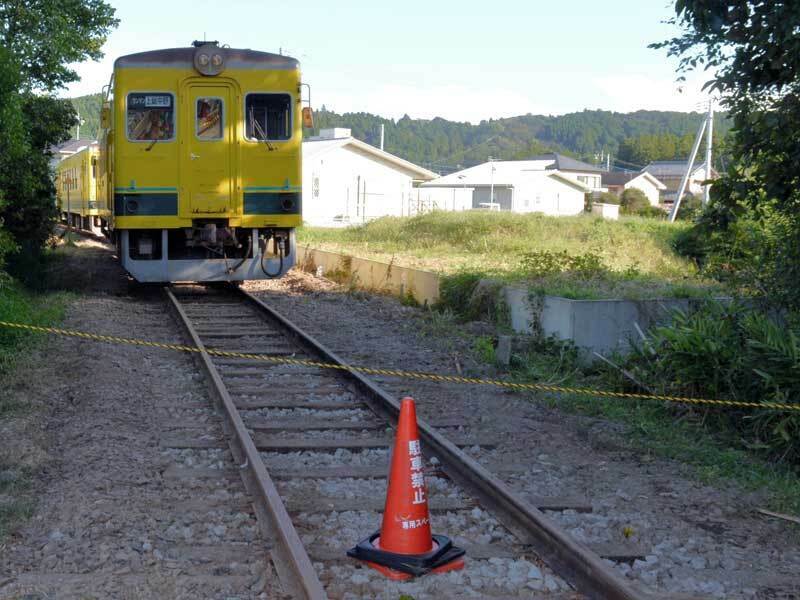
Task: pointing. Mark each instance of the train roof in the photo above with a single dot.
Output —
(183, 58)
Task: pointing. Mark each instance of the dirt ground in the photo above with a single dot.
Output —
(111, 520)
(695, 539)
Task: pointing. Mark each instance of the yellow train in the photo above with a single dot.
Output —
(199, 163)
(76, 190)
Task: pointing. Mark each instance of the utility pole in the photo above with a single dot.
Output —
(709, 141)
(381, 136)
(491, 184)
(80, 122)
(676, 205)
(69, 209)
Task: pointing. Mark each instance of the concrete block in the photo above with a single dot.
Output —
(603, 326)
(502, 353)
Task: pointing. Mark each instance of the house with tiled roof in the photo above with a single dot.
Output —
(617, 182)
(671, 172)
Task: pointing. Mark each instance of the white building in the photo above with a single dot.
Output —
(520, 186)
(618, 182)
(671, 172)
(347, 181)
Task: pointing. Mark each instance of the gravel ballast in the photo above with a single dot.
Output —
(695, 538)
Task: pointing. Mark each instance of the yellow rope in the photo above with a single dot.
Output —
(535, 387)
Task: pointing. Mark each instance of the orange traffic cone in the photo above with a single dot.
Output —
(404, 547)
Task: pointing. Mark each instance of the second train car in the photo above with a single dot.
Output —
(200, 163)
(76, 191)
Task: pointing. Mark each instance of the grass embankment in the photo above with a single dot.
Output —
(631, 258)
(18, 304)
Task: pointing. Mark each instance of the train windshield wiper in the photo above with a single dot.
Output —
(260, 133)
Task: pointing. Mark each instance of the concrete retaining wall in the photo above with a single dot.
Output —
(423, 286)
(602, 326)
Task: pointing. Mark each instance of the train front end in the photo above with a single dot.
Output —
(202, 157)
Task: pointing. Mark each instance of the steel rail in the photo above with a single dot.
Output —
(291, 560)
(575, 562)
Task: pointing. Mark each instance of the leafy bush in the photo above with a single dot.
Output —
(633, 201)
(758, 255)
(730, 352)
(456, 290)
(544, 263)
(608, 198)
(651, 212)
(690, 208)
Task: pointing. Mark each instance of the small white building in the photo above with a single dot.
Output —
(671, 172)
(519, 186)
(618, 182)
(347, 181)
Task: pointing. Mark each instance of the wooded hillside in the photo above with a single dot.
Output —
(444, 146)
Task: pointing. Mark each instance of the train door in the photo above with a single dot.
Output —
(207, 164)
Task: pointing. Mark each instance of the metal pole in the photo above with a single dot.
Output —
(381, 136)
(685, 179)
(709, 142)
(491, 184)
(69, 211)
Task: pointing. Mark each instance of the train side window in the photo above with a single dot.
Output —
(268, 117)
(150, 116)
(209, 118)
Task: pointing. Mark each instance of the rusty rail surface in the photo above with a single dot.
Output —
(293, 564)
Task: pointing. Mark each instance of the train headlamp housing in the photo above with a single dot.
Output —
(209, 60)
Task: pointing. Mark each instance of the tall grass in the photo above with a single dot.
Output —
(497, 244)
(20, 305)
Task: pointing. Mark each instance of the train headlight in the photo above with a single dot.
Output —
(209, 59)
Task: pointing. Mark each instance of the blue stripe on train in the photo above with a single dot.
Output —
(272, 203)
(145, 205)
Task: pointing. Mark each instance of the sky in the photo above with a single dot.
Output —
(436, 58)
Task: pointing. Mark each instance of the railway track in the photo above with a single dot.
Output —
(312, 445)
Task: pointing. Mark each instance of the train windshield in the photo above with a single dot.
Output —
(268, 117)
(151, 117)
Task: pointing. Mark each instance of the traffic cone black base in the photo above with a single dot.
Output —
(443, 557)
(404, 547)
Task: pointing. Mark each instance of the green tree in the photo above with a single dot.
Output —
(607, 198)
(38, 41)
(753, 49)
(46, 36)
(633, 201)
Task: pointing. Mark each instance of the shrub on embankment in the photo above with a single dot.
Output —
(729, 352)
